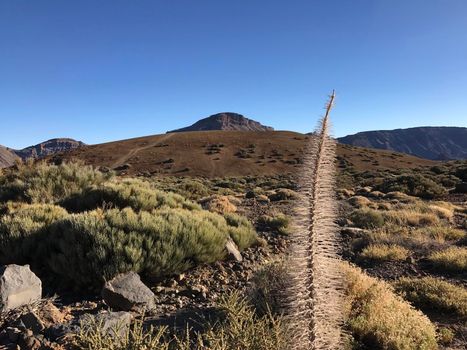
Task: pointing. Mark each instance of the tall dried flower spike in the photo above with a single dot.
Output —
(315, 294)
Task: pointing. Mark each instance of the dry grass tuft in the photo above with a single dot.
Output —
(384, 252)
(434, 294)
(380, 319)
(453, 259)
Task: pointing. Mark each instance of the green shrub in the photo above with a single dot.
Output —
(42, 183)
(283, 194)
(84, 249)
(445, 336)
(413, 185)
(20, 224)
(133, 193)
(241, 230)
(279, 223)
(367, 218)
(430, 293)
(453, 259)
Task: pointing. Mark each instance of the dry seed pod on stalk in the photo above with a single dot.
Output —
(314, 297)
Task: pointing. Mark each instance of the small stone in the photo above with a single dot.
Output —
(126, 292)
(32, 322)
(110, 323)
(233, 251)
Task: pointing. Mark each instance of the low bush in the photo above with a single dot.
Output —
(359, 201)
(218, 204)
(430, 293)
(379, 319)
(407, 217)
(42, 183)
(283, 194)
(20, 224)
(384, 252)
(278, 223)
(85, 249)
(413, 185)
(134, 193)
(367, 218)
(453, 259)
(269, 284)
(440, 233)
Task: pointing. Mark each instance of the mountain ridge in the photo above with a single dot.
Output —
(429, 142)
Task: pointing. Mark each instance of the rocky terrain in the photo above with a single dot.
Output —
(436, 143)
(226, 121)
(8, 156)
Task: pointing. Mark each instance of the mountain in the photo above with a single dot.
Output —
(7, 157)
(48, 147)
(224, 153)
(225, 121)
(436, 143)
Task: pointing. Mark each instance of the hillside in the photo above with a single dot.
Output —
(223, 153)
(7, 157)
(436, 143)
(225, 121)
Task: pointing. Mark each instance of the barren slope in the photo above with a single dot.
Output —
(223, 153)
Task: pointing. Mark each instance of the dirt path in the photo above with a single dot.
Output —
(123, 159)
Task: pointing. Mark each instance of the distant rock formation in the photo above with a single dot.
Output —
(49, 147)
(225, 121)
(9, 156)
(436, 143)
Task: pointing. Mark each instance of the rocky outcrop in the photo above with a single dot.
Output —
(18, 286)
(226, 121)
(48, 148)
(126, 292)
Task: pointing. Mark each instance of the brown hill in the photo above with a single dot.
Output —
(48, 147)
(223, 153)
(225, 121)
(7, 157)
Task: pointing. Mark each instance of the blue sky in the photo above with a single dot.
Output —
(102, 70)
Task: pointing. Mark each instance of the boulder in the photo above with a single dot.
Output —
(126, 292)
(110, 323)
(233, 251)
(18, 286)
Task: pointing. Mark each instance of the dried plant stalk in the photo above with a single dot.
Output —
(315, 294)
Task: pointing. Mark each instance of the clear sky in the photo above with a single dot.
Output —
(101, 70)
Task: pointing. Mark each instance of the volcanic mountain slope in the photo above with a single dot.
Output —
(225, 121)
(223, 153)
(437, 143)
(7, 157)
